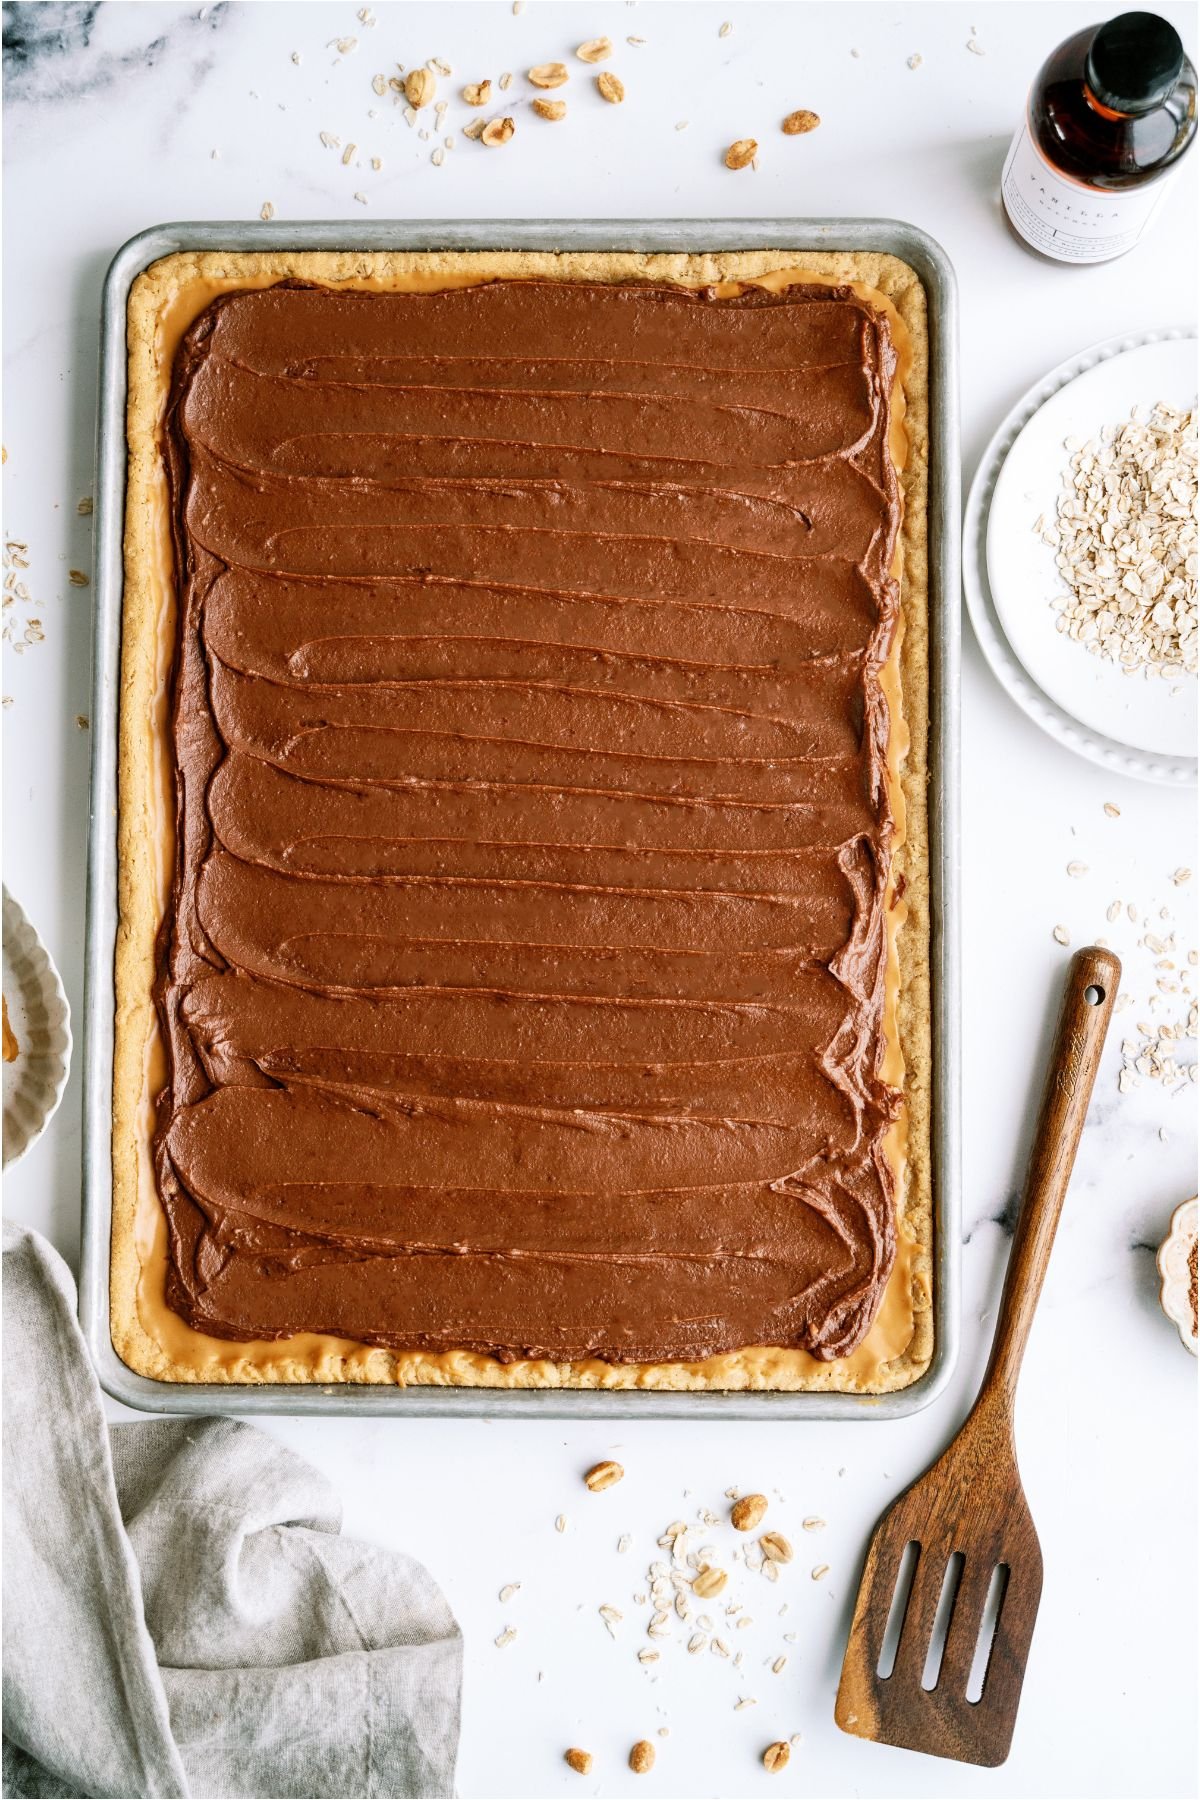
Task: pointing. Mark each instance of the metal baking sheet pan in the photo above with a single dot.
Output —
(931, 263)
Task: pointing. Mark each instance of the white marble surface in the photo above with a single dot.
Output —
(123, 115)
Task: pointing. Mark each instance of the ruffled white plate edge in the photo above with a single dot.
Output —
(34, 1083)
(1012, 675)
(1172, 1260)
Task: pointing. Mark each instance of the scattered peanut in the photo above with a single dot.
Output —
(741, 153)
(776, 1757)
(775, 1547)
(612, 88)
(477, 93)
(595, 50)
(420, 85)
(549, 75)
(497, 132)
(641, 1757)
(603, 1475)
(579, 1760)
(709, 1582)
(800, 120)
(550, 109)
(745, 1513)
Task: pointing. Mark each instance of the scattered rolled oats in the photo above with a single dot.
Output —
(506, 1637)
(348, 154)
(550, 109)
(820, 1572)
(779, 1665)
(549, 75)
(77, 578)
(84, 509)
(800, 121)
(380, 84)
(560, 1524)
(267, 210)
(814, 1523)
(696, 1643)
(623, 1542)
(1061, 935)
(1181, 876)
(744, 1703)
(741, 153)
(648, 1656)
(505, 82)
(1113, 812)
(612, 1618)
(507, 1591)
(611, 87)
(726, 28)
(915, 60)
(596, 50)
(1077, 869)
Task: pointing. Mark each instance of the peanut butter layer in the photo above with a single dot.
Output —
(523, 984)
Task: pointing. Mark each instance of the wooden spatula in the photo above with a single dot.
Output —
(967, 1516)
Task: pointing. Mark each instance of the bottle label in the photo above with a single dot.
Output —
(1067, 219)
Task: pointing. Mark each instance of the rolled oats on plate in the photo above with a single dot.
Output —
(1125, 535)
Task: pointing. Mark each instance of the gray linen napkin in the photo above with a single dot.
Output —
(181, 1615)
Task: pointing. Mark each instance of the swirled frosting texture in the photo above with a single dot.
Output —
(523, 984)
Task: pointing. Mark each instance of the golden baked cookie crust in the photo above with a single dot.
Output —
(154, 1341)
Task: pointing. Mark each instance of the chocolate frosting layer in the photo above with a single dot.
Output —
(523, 983)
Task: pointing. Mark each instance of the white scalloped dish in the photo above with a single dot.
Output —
(1174, 1268)
(40, 1020)
(1139, 725)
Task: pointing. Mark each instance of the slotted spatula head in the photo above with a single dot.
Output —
(974, 1538)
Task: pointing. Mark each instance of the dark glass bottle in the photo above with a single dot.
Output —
(1110, 114)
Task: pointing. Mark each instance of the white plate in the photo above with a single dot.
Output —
(1142, 710)
(41, 1019)
(1057, 683)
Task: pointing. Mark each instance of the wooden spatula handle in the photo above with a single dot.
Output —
(1091, 992)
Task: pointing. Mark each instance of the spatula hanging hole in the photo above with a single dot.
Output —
(997, 1588)
(1094, 995)
(941, 1620)
(900, 1593)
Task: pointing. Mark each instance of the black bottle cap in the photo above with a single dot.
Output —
(1134, 62)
